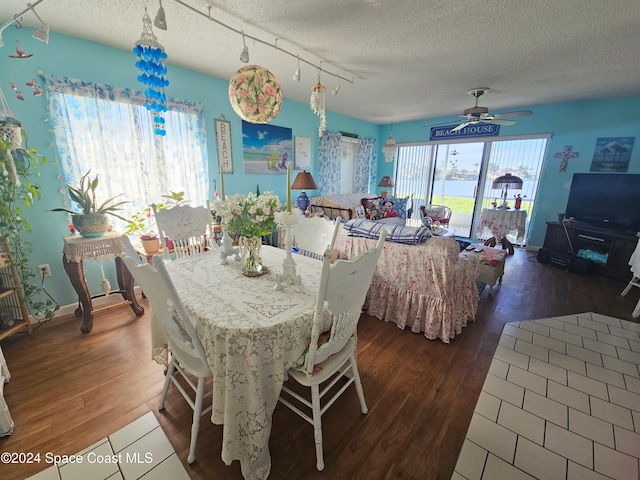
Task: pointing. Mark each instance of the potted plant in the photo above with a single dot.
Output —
(14, 197)
(139, 224)
(92, 221)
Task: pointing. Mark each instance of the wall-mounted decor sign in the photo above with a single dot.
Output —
(612, 154)
(266, 148)
(223, 138)
(302, 160)
(475, 130)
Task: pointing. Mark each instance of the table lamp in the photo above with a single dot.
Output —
(505, 182)
(386, 182)
(304, 181)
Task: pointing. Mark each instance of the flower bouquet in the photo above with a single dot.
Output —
(250, 217)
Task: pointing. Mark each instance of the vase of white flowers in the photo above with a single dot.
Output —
(250, 217)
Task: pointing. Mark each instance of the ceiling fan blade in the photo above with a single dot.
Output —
(497, 121)
(519, 113)
(439, 124)
(461, 126)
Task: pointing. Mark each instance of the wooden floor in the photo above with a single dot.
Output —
(69, 390)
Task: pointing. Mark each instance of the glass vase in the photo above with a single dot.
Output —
(250, 252)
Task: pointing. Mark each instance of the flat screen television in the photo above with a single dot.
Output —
(610, 200)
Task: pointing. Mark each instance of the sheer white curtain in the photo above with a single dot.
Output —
(110, 132)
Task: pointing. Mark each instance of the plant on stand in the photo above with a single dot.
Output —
(14, 197)
(92, 220)
(250, 217)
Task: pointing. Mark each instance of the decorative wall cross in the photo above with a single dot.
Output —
(565, 155)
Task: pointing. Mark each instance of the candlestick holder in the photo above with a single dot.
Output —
(227, 249)
(289, 275)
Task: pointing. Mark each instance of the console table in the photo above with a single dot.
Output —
(78, 249)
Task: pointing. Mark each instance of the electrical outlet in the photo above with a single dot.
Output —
(44, 270)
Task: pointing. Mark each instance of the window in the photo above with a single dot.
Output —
(459, 175)
(110, 132)
(348, 165)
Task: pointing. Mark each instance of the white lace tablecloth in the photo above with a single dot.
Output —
(429, 287)
(501, 222)
(78, 248)
(252, 334)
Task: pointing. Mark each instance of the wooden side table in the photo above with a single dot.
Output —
(78, 249)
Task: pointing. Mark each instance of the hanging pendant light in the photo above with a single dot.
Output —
(317, 103)
(153, 70)
(389, 149)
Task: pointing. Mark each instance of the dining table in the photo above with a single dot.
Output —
(252, 333)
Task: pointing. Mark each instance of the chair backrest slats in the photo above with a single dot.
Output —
(189, 228)
(341, 294)
(166, 304)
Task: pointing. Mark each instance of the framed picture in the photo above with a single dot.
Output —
(223, 139)
(266, 148)
(612, 154)
(302, 159)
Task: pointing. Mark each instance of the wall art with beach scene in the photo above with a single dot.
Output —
(266, 148)
(612, 154)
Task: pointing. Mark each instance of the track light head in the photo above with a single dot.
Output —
(336, 89)
(244, 55)
(296, 75)
(42, 33)
(160, 20)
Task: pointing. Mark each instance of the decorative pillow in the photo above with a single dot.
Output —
(400, 206)
(374, 207)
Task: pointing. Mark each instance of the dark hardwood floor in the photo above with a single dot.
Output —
(69, 390)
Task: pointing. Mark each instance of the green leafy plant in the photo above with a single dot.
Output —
(14, 197)
(140, 223)
(85, 197)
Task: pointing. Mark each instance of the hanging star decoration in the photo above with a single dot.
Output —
(565, 155)
(153, 70)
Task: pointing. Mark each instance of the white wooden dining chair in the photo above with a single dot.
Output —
(331, 354)
(187, 355)
(312, 235)
(190, 229)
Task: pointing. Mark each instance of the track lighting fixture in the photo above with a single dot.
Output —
(336, 89)
(160, 20)
(296, 75)
(41, 33)
(244, 56)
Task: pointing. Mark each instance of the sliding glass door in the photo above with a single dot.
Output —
(460, 176)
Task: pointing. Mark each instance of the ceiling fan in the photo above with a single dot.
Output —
(476, 114)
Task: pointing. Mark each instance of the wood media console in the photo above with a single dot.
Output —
(613, 249)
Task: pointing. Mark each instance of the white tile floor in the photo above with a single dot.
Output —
(140, 450)
(561, 401)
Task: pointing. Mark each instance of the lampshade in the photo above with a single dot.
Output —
(509, 181)
(386, 182)
(304, 181)
(255, 94)
(389, 149)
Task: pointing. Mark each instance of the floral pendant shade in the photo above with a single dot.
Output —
(255, 94)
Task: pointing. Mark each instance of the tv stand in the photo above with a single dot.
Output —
(613, 246)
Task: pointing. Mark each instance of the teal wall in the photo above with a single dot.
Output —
(577, 124)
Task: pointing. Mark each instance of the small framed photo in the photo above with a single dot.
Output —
(302, 158)
(223, 139)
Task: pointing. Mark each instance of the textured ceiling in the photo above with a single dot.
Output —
(409, 59)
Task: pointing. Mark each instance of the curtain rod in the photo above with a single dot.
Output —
(255, 39)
